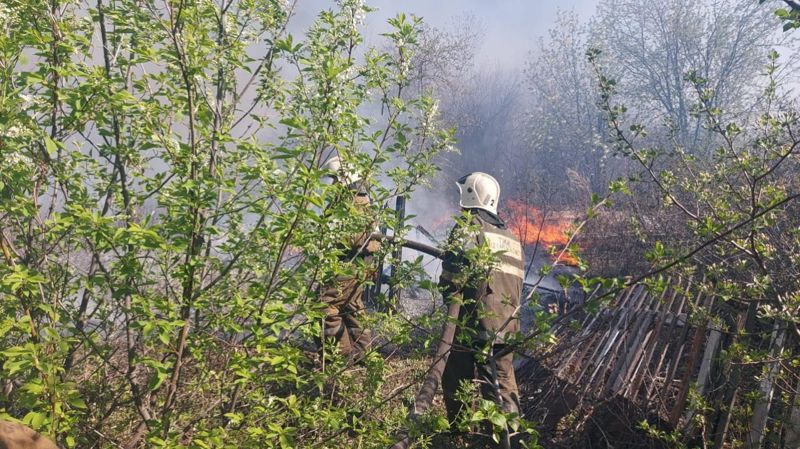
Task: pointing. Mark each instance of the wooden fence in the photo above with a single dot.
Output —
(649, 349)
(644, 347)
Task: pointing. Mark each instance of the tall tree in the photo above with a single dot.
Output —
(652, 48)
(564, 132)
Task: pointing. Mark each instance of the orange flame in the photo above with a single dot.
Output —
(548, 229)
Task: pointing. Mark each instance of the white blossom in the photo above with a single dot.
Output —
(27, 100)
(18, 160)
(12, 132)
(5, 13)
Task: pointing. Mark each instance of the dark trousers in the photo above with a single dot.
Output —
(344, 309)
(497, 381)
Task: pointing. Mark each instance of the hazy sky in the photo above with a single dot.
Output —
(510, 27)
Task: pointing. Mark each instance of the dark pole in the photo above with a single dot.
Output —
(397, 255)
(370, 294)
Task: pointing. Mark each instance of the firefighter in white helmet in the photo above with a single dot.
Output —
(343, 297)
(341, 173)
(489, 292)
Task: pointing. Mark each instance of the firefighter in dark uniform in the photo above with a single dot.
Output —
(490, 297)
(344, 306)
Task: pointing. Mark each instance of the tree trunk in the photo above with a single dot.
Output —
(400, 212)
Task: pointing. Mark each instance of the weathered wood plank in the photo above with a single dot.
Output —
(640, 366)
(680, 347)
(792, 433)
(733, 377)
(619, 379)
(612, 321)
(694, 356)
(614, 330)
(586, 330)
(638, 345)
(708, 359)
(610, 356)
(667, 343)
(650, 350)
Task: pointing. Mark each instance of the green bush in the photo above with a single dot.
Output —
(165, 224)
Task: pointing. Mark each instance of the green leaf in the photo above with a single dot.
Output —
(77, 402)
(498, 419)
(34, 387)
(157, 379)
(35, 420)
(296, 122)
(441, 424)
(50, 146)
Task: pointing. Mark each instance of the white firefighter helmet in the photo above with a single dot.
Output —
(343, 173)
(479, 191)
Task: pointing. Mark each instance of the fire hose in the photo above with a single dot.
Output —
(424, 398)
(410, 244)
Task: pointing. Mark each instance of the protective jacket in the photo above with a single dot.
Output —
(490, 299)
(490, 296)
(342, 296)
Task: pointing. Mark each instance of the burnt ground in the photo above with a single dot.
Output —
(565, 420)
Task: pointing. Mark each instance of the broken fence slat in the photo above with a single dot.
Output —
(650, 348)
(625, 296)
(637, 347)
(682, 340)
(588, 343)
(667, 343)
(619, 381)
(585, 335)
(623, 353)
(767, 387)
(612, 357)
(640, 366)
(708, 358)
(694, 355)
